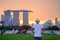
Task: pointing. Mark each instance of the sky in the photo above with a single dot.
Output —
(42, 9)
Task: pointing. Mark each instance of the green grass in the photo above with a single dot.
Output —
(51, 37)
(27, 37)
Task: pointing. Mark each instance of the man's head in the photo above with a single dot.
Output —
(37, 21)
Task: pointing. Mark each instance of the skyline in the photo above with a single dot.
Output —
(42, 9)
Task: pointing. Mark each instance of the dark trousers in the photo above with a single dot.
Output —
(37, 38)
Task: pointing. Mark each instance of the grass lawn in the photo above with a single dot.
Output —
(27, 37)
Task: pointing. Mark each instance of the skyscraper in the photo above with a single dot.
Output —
(6, 17)
(16, 18)
(56, 20)
(25, 17)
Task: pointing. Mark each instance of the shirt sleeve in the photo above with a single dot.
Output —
(42, 26)
(33, 26)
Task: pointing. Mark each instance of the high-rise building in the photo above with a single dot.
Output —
(25, 17)
(2, 18)
(6, 17)
(56, 20)
(57, 23)
(16, 18)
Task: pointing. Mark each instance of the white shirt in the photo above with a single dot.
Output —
(37, 30)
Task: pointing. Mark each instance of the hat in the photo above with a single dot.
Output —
(37, 20)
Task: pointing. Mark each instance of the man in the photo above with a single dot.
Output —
(37, 30)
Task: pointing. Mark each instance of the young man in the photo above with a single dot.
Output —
(37, 30)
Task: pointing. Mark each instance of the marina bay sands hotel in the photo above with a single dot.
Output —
(9, 21)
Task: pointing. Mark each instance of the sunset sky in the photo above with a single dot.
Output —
(42, 9)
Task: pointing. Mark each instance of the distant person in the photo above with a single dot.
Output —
(37, 30)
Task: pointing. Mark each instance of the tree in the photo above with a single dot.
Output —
(25, 28)
(53, 28)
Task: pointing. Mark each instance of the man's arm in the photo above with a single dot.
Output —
(43, 29)
(32, 29)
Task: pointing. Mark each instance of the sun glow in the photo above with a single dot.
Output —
(31, 22)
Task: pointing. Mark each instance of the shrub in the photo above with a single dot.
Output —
(6, 28)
